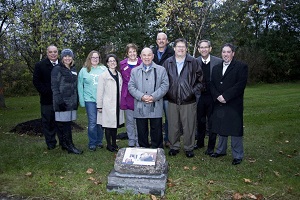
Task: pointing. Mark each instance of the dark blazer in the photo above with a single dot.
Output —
(42, 80)
(167, 54)
(213, 62)
(227, 119)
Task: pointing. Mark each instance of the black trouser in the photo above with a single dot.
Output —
(111, 137)
(155, 132)
(204, 111)
(49, 125)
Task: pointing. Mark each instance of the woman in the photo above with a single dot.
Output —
(87, 92)
(64, 88)
(127, 101)
(108, 102)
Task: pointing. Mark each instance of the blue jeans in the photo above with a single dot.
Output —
(95, 131)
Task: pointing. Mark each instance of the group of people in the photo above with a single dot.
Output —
(198, 96)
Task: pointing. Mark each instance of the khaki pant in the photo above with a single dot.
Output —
(182, 116)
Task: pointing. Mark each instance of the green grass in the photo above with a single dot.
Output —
(271, 163)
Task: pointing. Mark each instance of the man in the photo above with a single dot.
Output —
(205, 103)
(148, 84)
(161, 53)
(42, 82)
(228, 83)
(185, 76)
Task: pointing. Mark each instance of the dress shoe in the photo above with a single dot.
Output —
(110, 148)
(173, 152)
(189, 154)
(217, 155)
(51, 147)
(100, 146)
(197, 146)
(92, 148)
(236, 161)
(73, 149)
(207, 152)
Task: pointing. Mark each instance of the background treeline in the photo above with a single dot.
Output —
(266, 32)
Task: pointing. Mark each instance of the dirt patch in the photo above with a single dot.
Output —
(34, 128)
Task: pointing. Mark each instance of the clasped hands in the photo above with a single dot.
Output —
(221, 99)
(147, 98)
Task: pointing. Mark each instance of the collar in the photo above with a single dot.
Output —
(207, 60)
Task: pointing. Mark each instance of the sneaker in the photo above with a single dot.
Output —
(92, 148)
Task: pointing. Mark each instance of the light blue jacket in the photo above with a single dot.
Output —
(87, 84)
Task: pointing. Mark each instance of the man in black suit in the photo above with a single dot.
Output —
(42, 82)
(228, 83)
(161, 53)
(205, 102)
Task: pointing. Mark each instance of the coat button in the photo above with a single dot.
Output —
(221, 82)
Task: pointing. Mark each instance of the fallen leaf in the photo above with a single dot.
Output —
(289, 156)
(171, 184)
(259, 197)
(52, 183)
(29, 174)
(298, 174)
(97, 182)
(210, 182)
(89, 171)
(153, 197)
(61, 177)
(186, 168)
(246, 180)
(281, 152)
(252, 160)
(251, 196)
(270, 160)
(276, 173)
(91, 179)
(169, 180)
(287, 141)
(237, 196)
(194, 168)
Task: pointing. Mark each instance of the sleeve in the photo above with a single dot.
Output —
(55, 82)
(80, 88)
(238, 88)
(36, 80)
(132, 86)
(163, 88)
(100, 91)
(199, 76)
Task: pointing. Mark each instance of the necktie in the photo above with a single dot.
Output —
(53, 63)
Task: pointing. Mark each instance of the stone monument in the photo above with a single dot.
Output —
(139, 170)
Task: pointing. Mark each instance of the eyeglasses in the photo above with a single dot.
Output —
(112, 61)
(94, 57)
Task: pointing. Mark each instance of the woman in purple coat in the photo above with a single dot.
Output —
(127, 101)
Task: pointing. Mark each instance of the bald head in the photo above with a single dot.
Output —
(147, 56)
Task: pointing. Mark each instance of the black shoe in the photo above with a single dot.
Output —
(207, 152)
(173, 152)
(73, 149)
(92, 148)
(51, 147)
(216, 155)
(110, 148)
(189, 154)
(236, 161)
(116, 148)
(198, 146)
(100, 146)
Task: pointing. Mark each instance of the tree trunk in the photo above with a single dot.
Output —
(2, 100)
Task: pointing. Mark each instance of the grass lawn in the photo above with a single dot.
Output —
(270, 169)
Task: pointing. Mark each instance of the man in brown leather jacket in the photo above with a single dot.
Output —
(185, 76)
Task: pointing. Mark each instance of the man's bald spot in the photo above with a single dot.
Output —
(146, 50)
